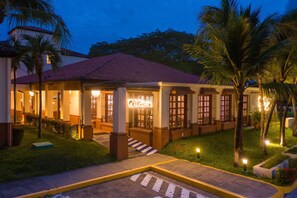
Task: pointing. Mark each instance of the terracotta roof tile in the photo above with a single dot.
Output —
(115, 67)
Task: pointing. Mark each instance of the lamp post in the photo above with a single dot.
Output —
(198, 153)
(244, 161)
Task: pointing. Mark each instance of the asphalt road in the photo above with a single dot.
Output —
(147, 184)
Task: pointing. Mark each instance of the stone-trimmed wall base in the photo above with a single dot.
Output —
(160, 137)
(119, 145)
(143, 135)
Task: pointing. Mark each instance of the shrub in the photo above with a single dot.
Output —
(256, 118)
(57, 127)
(285, 176)
(292, 163)
(17, 136)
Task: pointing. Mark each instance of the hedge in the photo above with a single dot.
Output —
(57, 127)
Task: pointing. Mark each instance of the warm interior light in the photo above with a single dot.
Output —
(197, 150)
(53, 103)
(95, 93)
(267, 142)
(244, 161)
(31, 93)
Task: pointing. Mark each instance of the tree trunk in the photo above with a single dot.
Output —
(283, 124)
(14, 96)
(267, 124)
(238, 131)
(262, 121)
(295, 117)
(40, 106)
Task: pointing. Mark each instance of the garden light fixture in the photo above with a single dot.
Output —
(267, 142)
(198, 153)
(244, 161)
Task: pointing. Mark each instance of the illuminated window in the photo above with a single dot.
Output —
(108, 107)
(204, 109)
(94, 107)
(226, 108)
(48, 61)
(177, 111)
(144, 116)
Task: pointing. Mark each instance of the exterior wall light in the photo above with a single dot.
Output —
(95, 93)
(198, 153)
(244, 161)
(31, 93)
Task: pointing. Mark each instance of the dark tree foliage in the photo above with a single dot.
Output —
(163, 47)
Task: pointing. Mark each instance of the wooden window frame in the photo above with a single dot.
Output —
(108, 107)
(204, 117)
(226, 114)
(94, 106)
(175, 111)
(143, 116)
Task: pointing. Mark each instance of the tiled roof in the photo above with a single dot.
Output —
(117, 67)
(31, 28)
(6, 50)
(67, 52)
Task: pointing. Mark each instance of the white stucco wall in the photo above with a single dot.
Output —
(5, 90)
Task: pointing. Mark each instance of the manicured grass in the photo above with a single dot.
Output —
(217, 148)
(23, 162)
(275, 160)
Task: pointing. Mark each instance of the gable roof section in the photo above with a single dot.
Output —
(31, 28)
(67, 52)
(117, 67)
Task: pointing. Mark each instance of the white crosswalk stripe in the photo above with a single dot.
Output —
(134, 177)
(185, 193)
(132, 142)
(142, 146)
(157, 185)
(137, 144)
(152, 152)
(146, 180)
(170, 190)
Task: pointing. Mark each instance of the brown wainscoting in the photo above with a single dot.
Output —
(74, 119)
(106, 126)
(160, 137)
(176, 134)
(204, 129)
(43, 113)
(228, 125)
(143, 135)
(5, 134)
(195, 128)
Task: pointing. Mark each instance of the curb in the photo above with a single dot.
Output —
(192, 182)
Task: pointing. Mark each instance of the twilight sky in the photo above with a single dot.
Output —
(92, 21)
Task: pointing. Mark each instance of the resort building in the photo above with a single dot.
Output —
(126, 95)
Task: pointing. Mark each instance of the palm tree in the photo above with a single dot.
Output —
(15, 64)
(36, 49)
(232, 46)
(39, 12)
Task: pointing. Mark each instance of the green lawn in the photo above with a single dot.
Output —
(23, 162)
(217, 148)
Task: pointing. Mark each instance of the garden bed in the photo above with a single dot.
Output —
(268, 168)
(292, 152)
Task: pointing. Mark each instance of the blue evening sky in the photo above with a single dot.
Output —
(92, 21)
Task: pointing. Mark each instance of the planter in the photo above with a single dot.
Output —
(268, 173)
(291, 155)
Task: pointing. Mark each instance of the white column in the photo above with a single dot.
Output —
(87, 107)
(164, 109)
(65, 106)
(5, 82)
(119, 110)
(156, 109)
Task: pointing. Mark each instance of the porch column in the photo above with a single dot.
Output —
(87, 125)
(5, 122)
(27, 103)
(218, 110)
(49, 104)
(161, 118)
(65, 110)
(195, 111)
(119, 138)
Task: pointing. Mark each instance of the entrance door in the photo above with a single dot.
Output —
(245, 110)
